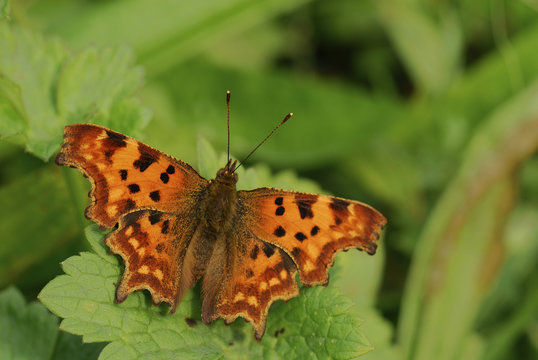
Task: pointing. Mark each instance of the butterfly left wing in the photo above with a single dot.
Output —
(312, 228)
(253, 278)
(126, 175)
(277, 233)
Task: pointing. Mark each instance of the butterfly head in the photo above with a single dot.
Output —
(227, 173)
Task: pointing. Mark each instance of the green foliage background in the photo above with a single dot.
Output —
(426, 110)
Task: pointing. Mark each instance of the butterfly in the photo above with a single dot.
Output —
(172, 227)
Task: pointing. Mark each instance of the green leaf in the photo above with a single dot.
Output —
(317, 324)
(99, 82)
(28, 331)
(459, 250)
(194, 26)
(45, 86)
(320, 320)
(32, 63)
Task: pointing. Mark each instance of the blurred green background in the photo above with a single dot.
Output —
(427, 110)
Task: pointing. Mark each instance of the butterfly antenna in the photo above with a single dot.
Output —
(264, 140)
(228, 108)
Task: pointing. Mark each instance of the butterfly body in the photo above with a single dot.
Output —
(175, 228)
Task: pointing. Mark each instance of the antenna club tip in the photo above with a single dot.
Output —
(228, 92)
(286, 118)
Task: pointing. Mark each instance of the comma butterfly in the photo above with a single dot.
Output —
(174, 227)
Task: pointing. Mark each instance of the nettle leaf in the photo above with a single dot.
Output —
(316, 324)
(320, 321)
(46, 86)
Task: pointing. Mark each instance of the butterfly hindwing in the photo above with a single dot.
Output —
(259, 274)
(143, 239)
(154, 247)
(126, 175)
(312, 228)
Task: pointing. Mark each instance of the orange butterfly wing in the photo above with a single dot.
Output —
(126, 175)
(285, 231)
(145, 240)
(255, 278)
(312, 228)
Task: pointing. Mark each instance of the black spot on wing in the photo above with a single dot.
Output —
(280, 211)
(164, 177)
(300, 236)
(115, 139)
(254, 252)
(123, 174)
(155, 218)
(279, 200)
(305, 209)
(279, 231)
(296, 253)
(133, 188)
(340, 211)
(155, 195)
(339, 205)
(268, 250)
(170, 169)
(314, 231)
(165, 227)
(144, 161)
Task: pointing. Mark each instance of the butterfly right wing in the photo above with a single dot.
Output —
(154, 247)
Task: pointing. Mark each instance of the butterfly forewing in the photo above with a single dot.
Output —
(126, 174)
(311, 228)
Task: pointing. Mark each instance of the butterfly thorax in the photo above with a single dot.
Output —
(221, 199)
